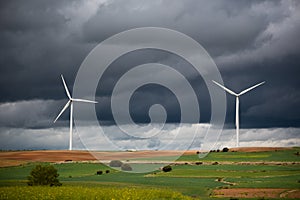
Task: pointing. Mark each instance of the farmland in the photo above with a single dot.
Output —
(79, 192)
(269, 174)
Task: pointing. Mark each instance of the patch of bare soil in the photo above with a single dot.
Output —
(13, 158)
(9, 163)
(257, 193)
(258, 149)
(294, 194)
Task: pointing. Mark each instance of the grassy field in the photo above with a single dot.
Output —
(267, 156)
(197, 181)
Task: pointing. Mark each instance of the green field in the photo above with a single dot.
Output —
(267, 156)
(197, 181)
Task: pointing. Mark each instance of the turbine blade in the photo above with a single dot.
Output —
(84, 100)
(66, 88)
(226, 89)
(251, 88)
(61, 112)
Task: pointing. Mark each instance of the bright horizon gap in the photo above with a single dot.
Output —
(56, 138)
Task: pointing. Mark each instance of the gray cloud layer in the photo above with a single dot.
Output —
(17, 138)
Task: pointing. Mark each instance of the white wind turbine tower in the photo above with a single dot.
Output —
(237, 121)
(70, 103)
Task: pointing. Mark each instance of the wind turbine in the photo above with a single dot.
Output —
(70, 103)
(237, 121)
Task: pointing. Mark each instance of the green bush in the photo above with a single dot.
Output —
(126, 167)
(115, 163)
(99, 172)
(43, 175)
(167, 168)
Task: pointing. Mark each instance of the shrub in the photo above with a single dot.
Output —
(126, 167)
(115, 163)
(43, 175)
(215, 163)
(99, 172)
(225, 149)
(167, 168)
(107, 171)
(199, 163)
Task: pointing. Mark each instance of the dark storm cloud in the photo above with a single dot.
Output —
(31, 114)
(37, 44)
(250, 41)
(221, 26)
(147, 95)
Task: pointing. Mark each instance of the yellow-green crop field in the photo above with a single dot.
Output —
(79, 192)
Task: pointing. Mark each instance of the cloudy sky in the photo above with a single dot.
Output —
(250, 41)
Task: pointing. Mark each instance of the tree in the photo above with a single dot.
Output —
(43, 175)
(167, 168)
(225, 149)
(99, 172)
